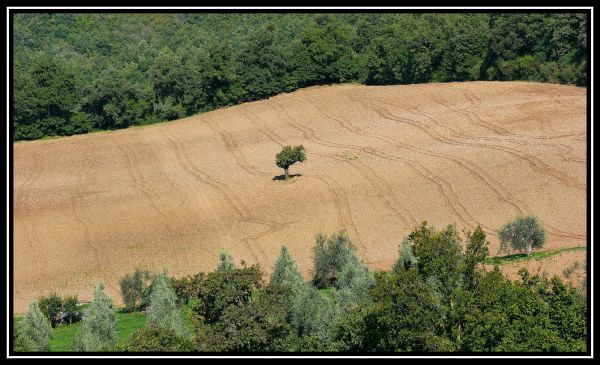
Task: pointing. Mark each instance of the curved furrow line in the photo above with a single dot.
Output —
(79, 214)
(387, 191)
(459, 133)
(233, 149)
(533, 161)
(185, 163)
(467, 165)
(138, 180)
(28, 226)
(551, 229)
(505, 132)
(271, 135)
(341, 203)
(234, 202)
(423, 151)
(476, 101)
(492, 127)
(310, 134)
(376, 182)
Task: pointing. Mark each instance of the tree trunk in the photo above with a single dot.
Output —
(287, 174)
(528, 248)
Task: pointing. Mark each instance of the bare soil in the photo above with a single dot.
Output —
(91, 208)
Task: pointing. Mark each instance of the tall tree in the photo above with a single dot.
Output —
(162, 311)
(98, 331)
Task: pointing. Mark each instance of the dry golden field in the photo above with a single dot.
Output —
(90, 208)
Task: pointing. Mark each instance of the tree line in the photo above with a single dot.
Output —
(78, 73)
(439, 297)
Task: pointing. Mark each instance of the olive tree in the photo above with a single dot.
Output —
(285, 271)
(33, 332)
(288, 156)
(523, 234)
(163, 311)
(98, 330)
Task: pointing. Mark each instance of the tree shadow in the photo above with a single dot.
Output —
(282, 177)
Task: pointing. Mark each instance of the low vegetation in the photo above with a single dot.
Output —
(438, 297)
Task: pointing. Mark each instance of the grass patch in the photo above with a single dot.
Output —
(328, 292)
(348, 156)
(540, 255)
(127, 323)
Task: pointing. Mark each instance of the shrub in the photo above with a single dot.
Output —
(156, 339)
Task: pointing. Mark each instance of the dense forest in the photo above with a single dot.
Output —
(77, 73)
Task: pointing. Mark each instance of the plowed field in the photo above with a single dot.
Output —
(90, 208)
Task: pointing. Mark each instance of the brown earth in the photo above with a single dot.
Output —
(90, 208)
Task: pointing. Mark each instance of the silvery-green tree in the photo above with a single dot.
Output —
(225, 262)
(98, 330)
(354, 282)
(163, 311)
(523, 234)
(406, 256)
(285, 271)
(33, 332)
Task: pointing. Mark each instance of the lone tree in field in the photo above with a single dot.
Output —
(523, 234)
(288, 156)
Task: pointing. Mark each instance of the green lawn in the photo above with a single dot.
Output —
(127, 323)
(540, 255)
(63, 336)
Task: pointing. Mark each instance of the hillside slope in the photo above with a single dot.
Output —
(380, 160)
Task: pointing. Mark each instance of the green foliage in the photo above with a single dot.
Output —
(535, 315)
(225, 262)
(285, 271)
(187, 287)
(440, 257)
(406, 256)
(475, 255)
(51, 306)
(524, 234)
(155, 339)
(77, 73)
(289, 156)
(162, 311)
(330, 256)
(71, 308)
(98, 329)
(132, 286)
(221, 289)
(33, 332)
(539, 255)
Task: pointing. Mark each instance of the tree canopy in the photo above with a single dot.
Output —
(77, 73)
